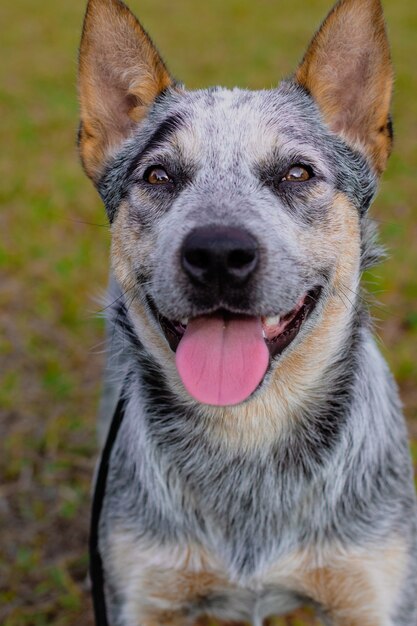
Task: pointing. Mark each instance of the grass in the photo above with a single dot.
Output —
(53, 262)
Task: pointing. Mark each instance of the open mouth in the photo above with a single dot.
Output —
(223, 357)
(278, 332)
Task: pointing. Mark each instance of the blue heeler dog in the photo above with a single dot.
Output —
(262, 461)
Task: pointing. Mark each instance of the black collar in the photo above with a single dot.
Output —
(96, 564)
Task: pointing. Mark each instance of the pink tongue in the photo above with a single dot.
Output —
(221, 362)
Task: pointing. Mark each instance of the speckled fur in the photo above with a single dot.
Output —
(304, 493)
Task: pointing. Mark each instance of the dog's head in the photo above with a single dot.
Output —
(237, 216)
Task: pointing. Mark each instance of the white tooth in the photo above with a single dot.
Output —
(264, 334)
(273, 321)
(184, 321)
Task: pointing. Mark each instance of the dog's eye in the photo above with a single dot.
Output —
(156, 175)
(298, 174)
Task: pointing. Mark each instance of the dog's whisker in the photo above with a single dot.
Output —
(370, 301)
(120, 317)
(105, 225)
(353, 304)
(120, 297)
(343, 301)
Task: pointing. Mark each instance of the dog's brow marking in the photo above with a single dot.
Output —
(162, 134)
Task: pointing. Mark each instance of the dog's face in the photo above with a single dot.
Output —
(236, 215)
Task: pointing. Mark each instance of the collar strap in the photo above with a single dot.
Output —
(96, 564)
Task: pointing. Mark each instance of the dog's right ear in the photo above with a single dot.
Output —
(120, 75)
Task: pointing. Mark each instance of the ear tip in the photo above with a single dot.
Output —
(361, 3)
(358, 7)
(100, 12)
(101, 2)
(93, 4)
(375, 6)
(109, 5)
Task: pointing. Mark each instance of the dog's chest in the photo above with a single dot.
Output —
(246, 510)
(188, 578)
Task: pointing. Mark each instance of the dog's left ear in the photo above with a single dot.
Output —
(120, 75)
(348, 71)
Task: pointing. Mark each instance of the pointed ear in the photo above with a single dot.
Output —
(347, 69)
(120, 75)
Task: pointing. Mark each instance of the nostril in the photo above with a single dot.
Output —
(241, 259)
(197, 258)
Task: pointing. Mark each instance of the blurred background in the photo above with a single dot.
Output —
(54, 256)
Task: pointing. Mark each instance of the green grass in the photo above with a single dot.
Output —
(53, 261)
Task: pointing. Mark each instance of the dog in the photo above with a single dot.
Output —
(262, 460)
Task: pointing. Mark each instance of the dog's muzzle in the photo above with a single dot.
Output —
(224, 352)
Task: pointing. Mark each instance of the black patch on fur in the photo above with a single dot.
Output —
(123, 324)
(390, 128)
(79, 133)
(160, 136)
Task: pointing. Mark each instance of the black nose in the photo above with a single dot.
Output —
(219, 255)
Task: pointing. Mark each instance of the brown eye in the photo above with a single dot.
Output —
(157, 176)
(298, 174)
